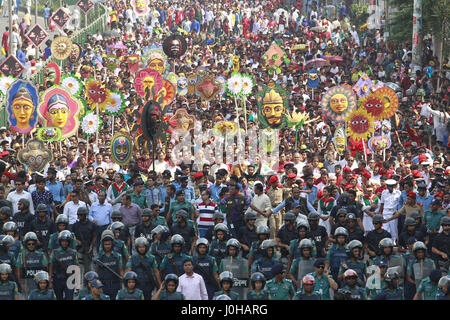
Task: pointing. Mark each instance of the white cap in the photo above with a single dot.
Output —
(391, 182)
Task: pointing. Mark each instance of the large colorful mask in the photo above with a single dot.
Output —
(207, 88)
(360, 125)
(225, 129)
(174, 46)
(121, 148)
(111, 62)
(363, 86)
(59, 109)
(167, 94)
(182, 86)
(184, 121)
(133, 62)
(313, 78)
(140, 7)
(52, 75)
(155, 59)
(340, 139)
(61, 47)
(75, 53)
(35, 156)
(338, 102)
(272, 106)
(379, 143)
(387, 97)
(96, 93)
(147, 78)
(22, 100)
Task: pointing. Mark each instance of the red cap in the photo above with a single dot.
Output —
(347, 169)
(198, 175)
(4, 154)
(416, 174)
(366, 174)
(292, 176)
(348, 187)
(9, 175)
(273, 179)
(408, 144)
(422, 158)
(411, 195)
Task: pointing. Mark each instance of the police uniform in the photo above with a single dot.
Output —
(205, 266)
(15, 248)
(280, 291)
(43, 231)
(262, 295)
(425, 202)
(322, 286)
(286, 236)
(8, 290)
(53, 242)
(61, 260)
(218, 249)
(255, 250)
(372, 293)
(83, 293)
(111, 283)
(296, 252)
(428, 289)
(187, 232)
(319, 236)
(356, 294)
(275, 220)
(247, 236)
(359, 266)
(420, 270)
(231, 294)
(238, 266)
(388, 294)
(176, 266)
(159, 250)
(31, 263)
(102, 297)
(142, 265)
(301, 295)
(165, 295)
(336, 255)
(125, 294)
(37, 294)
(264, 265)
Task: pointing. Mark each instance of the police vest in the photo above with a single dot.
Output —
(7, 291)
(303, 205)
(63, 259)
(126, 295)
(265, 266)
(42, 231)
(6, 258)
(358, 267)
(263, 295)
(55, 241)
(175, 296)
(218, 250)
(304, 267)
(142, 266)
(38, 295)
(257, 252)
(159, 250)
(119, 247)
(31, 263)
(112, 261)
(15, 248)
(396, 295)
(177, 263)
(204, 267)
(337, 256)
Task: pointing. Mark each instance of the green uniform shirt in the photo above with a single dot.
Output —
(83, 293)
(140, 200)
(165, 261)
(409, 269)
(38, 295)
(52, 241)
(165, 295)
(231, 294)
(293, 245)
(102, 297)
(147, 256)
(359, 265)
(397, 292)
(23, 252)
(301, 293)
(428, 289)
(122, 293)
(322, 286)
(160, 221)
(280, 291)
(53, 258)
(252, 295)
(15, 288)
(433, 220)
(175, 206)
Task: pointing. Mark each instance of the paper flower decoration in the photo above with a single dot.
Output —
(390, 100)
(222, 81)
(91, 123)
(48, 134)
(247, 85)
(225, 129)
(5, 83)
(298, 119)
(338, 102)
(72, 84)
(360, 124)
(234, 84)
(96, 93)
(115, 104)
(379, 143)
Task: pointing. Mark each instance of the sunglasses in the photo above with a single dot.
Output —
(320, 267)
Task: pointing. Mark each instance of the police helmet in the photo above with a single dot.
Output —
(159, 228)
(415, 215)
(262, 230)
(378, 218)
(233, 243)
(171, 277)
(62, 218)
(350, 216)
(65, 235)
(41, 276)
(308, 279)
(386, 242)
(391, 274)
(341, 231)
(41, 208)
(226, 276)
(7, 240)
(82, 210)
(130, 275)
(90, 275)
(313, 216)
(289, 216)
(445, 221)
(5, 210)
(116, 214)
(5, 268)
(419, 245)
(266, 244)
(177, 239)
(30, 236)
(341, 211)
(218, 215)
(107, 235)
(444, 281)
(147, 212)
(250, 216)
(221, 227)
(182, 213)
(354, 244)
(258, 276)
(304, 224)
(350, 273)
(9, 226)
(116, 226)
(141, 241)
(202, 241)
(410, 222)
(305, 243)
(222, 297)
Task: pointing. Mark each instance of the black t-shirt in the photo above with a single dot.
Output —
(84, 232)
(286, 236)
(43, 230)
(357, 234)
(373, 239)
(145, 231)
(404, 236)
(442, 243)
(247, 236)
(23, 222)
(319, 235)
(187, 232)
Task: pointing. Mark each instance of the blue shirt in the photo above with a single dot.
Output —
(195, 27)
(101, 213)
(425, 202)
(281, 205)
(57, 190)
(153, 196)
(313, 195)
(21, 56)
(46, 12)
(215, 191)
(188, 192)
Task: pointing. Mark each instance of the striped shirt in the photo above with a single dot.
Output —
(206, 212)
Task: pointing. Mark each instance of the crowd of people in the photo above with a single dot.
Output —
(312, 225)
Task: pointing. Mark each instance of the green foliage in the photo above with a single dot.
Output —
(360, 14)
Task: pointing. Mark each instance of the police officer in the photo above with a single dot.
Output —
(374, 237)
(88, 278)
(337, 254)
(23, 218)
(378, 283)
(409, 231)
(338, 222)
(323, 281)
(119, 245)
(258, 282)
(173, 261)
(30, 262)
(206, 266)
(60, 260)
(226, 283)
(307, 291)
(160, 245)
(130, 292)
(42, 292)
(263, 233)
(109, 265)
(441, 246)
(218, 247)
(318, 234)
(247, 233)
(62, 223)
(10, 229)
(419, 268)
(5, 215)
(97, 291)
(393, 260)
(285, 235)
(144, 229)
(268, 259)
(145, 266)
(124, 235)
(85, 232)
(356, 292)
(302, 265)
(279, 288)
(237, 265)
(218, 217)
(427, 289)
(354, 231)
(168, 289)
(8, 289)
(5, 255)
(354, 262)
(294, 248)
(185, 229)
(392, 291)
(443, 288)
(43, 226)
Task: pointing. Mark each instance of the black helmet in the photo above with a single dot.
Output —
(41, 276)
(314, 216)
(419, 245)
(354, 244)
(171, 277)
(250, 216)
(182, 213)
(30, 236)
(41, 208)
(226, 276)
(9, 226)
(410, 222)
(116, 214)
(343, 200)
(5, 210)
(147, 212)
(262, 230)
(218, 215)
(415, 215)
(65, 235)
(62, 218)
(116, 226)
(350, 216)
(341, 211)
(90, 276)
(305, 243)
(107, 235)
(221, 227)
(82, 210)
(377, 218)
(130, 275)
(391, 274)
(289, 216)
(258, 276)
(445, 221)
(177, 239)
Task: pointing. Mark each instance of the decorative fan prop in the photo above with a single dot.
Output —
(379, 143)
(274, 57)
(35, 156)
(175, 46)
(121, 148)
(338, 102)
(61, 47)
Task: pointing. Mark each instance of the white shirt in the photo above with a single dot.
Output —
(390, 200)
(193, 287)
(14, 198)
(71, 210)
